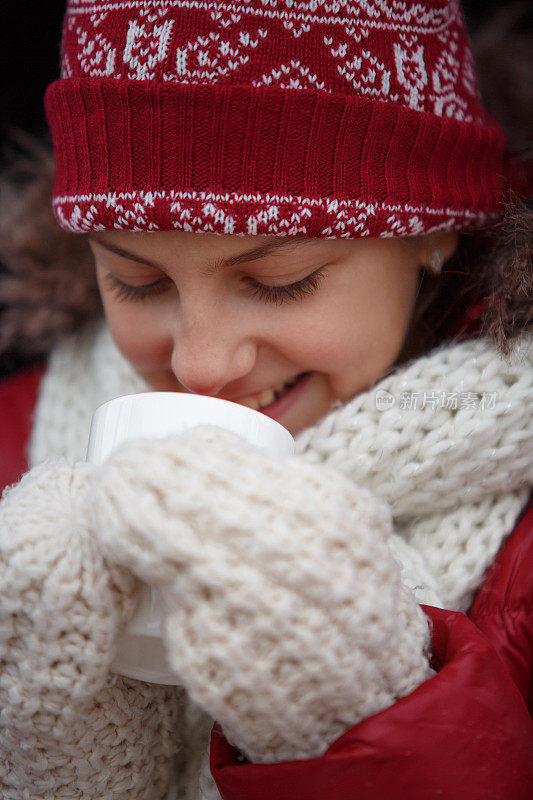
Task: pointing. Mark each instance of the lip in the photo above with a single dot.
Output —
(280, 407)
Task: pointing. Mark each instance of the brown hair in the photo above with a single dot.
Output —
(494, 265)
(40, 298)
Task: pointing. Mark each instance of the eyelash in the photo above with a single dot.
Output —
(287, 294)
(276, 295)
(124, 291)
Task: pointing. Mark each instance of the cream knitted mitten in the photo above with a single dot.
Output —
(68, 728)
(286, 617)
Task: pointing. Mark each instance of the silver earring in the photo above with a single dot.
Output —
(436, 262)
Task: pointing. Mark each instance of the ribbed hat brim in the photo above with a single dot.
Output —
(263, 160)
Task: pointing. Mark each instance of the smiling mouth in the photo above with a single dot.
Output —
(269, 396)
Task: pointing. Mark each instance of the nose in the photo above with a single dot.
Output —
(210, 352)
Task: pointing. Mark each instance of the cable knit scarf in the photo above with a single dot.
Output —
(446, 441)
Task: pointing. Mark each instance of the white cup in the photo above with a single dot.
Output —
(140, 650)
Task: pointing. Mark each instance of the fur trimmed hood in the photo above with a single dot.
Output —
(41, 301)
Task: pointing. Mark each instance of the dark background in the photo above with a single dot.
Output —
(30, 33)
(31, 30)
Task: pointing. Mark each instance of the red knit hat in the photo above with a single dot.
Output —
(326, 118)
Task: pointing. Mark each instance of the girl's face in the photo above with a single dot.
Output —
(244, 317)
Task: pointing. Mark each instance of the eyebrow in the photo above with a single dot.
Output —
(256, 253)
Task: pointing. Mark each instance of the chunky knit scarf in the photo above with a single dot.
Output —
(446, 441)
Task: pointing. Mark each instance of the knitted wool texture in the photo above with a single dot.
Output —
(284, 656)
(455, 479)
(282, 117)
(68, 728)
(279, 659)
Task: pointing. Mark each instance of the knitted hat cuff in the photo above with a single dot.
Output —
(263, 160)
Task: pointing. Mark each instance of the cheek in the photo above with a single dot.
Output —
(356, 334)
(340, 332)
(139, 333)
(375, 334)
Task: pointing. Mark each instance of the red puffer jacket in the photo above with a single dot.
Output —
(466, 733)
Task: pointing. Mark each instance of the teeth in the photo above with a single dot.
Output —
(267, 396)
(264, 399)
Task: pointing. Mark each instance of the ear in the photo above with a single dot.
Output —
(445, 242)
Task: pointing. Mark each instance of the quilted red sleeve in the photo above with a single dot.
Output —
(503, 606)
(18, 396)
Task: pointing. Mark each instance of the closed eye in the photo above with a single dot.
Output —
(286, 294)
(124, 291)
(276, 295)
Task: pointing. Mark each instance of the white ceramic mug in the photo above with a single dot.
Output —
(140, 650)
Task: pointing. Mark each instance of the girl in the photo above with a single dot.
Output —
(270, 192)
